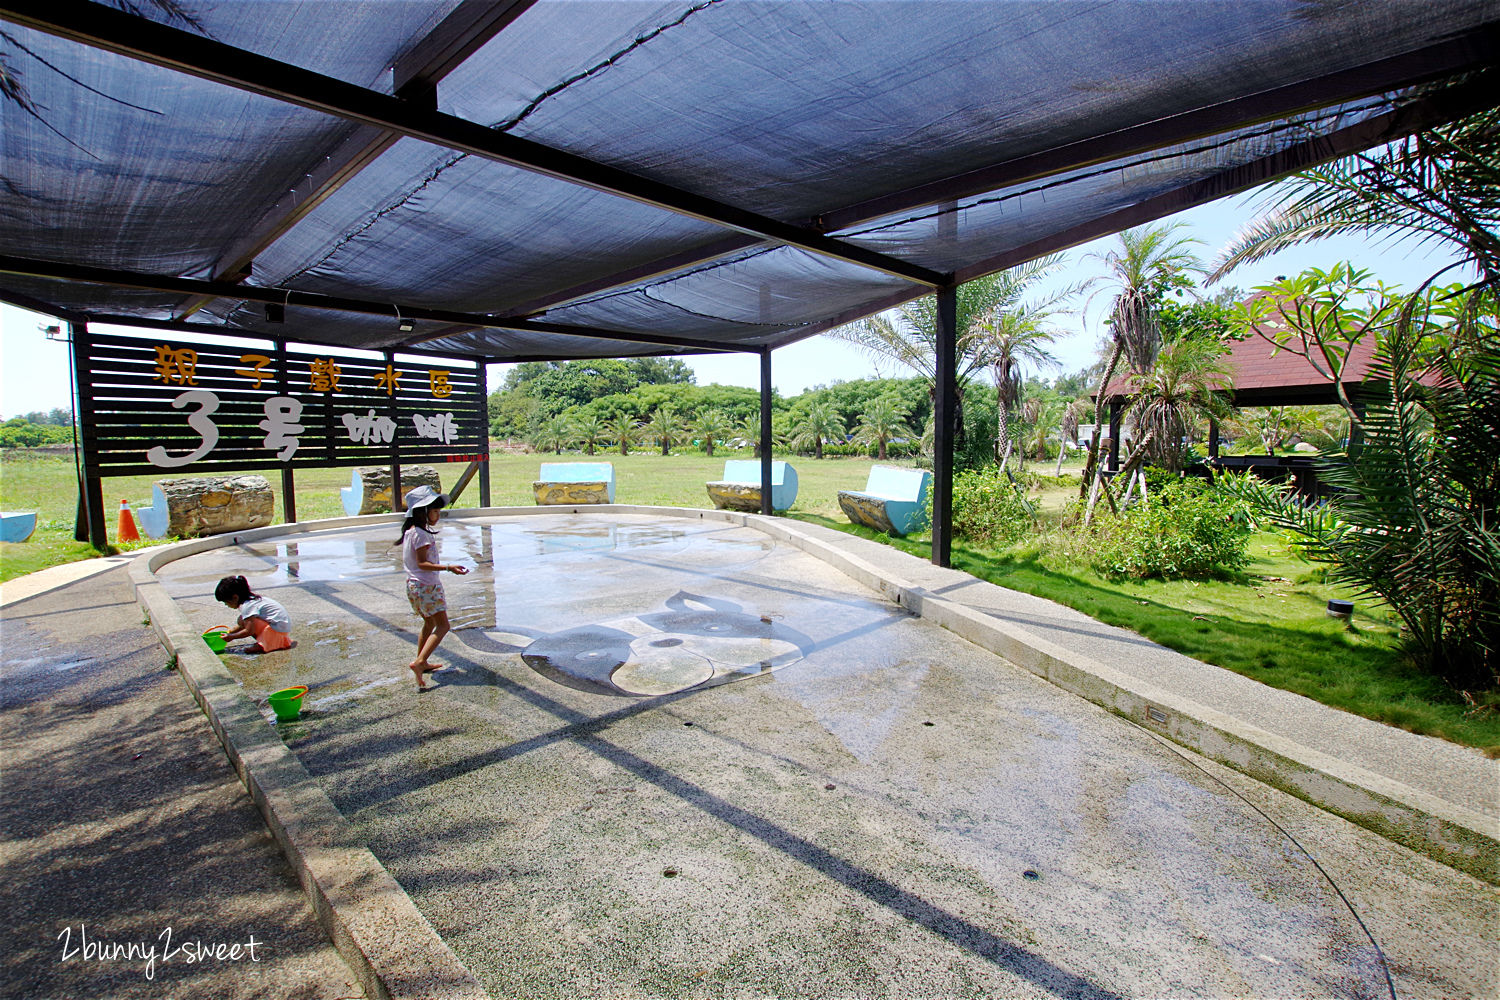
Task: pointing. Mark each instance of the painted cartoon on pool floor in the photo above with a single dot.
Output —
(695, 641)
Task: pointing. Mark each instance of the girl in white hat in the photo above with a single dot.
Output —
(424, 589)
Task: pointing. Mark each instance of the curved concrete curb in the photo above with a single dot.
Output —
(374, 925)
(1459, 837)
(394, 949)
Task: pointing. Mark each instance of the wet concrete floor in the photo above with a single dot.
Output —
(673, 758)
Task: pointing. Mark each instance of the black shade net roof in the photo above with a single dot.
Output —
(601, 178)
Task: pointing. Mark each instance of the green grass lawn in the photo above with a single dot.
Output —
(46, 484)
(1268, 622)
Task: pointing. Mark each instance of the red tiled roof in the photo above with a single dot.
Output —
(1264, 375)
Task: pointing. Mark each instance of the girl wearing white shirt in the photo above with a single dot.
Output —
(420, 554)
(260, 617)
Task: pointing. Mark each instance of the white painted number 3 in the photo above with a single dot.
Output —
(207, 403)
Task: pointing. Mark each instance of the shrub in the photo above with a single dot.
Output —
(1187, 528)
(988, 510)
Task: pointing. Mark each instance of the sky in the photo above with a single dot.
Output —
(34, 370)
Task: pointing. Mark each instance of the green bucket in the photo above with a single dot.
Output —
(287, 703)
(215, 638)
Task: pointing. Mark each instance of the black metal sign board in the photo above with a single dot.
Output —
(168, 405)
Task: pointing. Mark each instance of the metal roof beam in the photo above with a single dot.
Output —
(1446, 58)
(312, 300)
(137, 38)
(1423, 113)
(416, 76)
(463, 32)
(1474, 50)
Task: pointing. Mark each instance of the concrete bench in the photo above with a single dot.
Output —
(893, 501)
(369, 489)
(569, 483)
(16, 525)
(740, 487)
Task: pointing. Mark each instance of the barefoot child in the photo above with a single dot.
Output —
(420, 555)
(260, 617)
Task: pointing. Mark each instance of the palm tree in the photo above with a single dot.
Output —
(1187, 383)
(589, 431)
(820, 421)
(1438, 185)
(711, 424)
(622, 428)
(883, 419)
(1040, 414)
(908, 333)
(663, 427)
(749, 429)
(1071, 416)
(1010, 337)
(1149, 262)
(1413, 523)
(553, 435)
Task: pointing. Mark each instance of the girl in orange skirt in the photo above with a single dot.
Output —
(260, 617)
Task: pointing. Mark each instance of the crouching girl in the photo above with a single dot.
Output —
(260, 617)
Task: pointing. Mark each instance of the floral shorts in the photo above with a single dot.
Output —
(426, 598)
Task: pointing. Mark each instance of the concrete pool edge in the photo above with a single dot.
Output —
(374, 925)
(391, 945)
(1458, 837)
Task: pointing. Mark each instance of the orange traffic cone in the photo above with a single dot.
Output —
(126, 531)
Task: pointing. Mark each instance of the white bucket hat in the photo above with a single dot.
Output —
(424, 496)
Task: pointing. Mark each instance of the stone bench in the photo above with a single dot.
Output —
(16, 525)
(571, 483)
(893, 501)
(369, 489)
(196, 506)
(740, 487)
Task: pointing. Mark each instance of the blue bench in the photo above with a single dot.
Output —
(16, 525)
(893, 501)
(570, 483)
(740, 487)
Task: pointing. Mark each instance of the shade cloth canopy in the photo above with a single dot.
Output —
(602, 178)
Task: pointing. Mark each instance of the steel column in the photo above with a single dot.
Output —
(944, 412)
(396, 505)
(288, 479)
(766, 391)
(90, 489)
(484, 434)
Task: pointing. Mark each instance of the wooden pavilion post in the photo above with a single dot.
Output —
(1116, 407)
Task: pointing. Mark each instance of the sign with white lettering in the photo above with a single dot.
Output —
(168, 403)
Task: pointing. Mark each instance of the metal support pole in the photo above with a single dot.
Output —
(288, 495)
(766, 391)
(288, 480)
(484, 435)
(90, 488)
(944, 412)
(397, 503)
